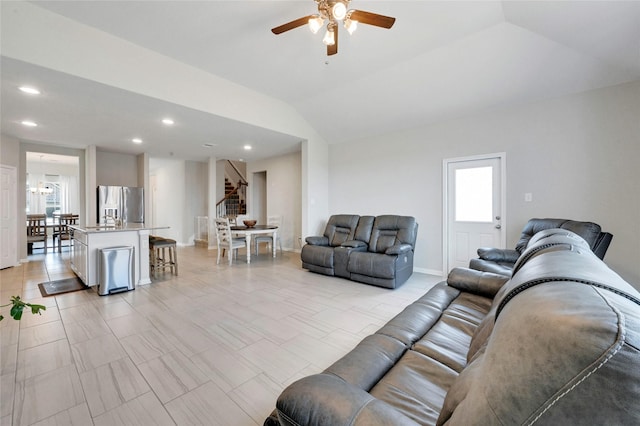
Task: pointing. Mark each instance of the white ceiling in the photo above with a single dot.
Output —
(441, 60)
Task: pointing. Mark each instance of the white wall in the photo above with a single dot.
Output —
(169, 181)
(196, 198)
(283, 194)
(9, 150)
(578, 155)
(116, 169)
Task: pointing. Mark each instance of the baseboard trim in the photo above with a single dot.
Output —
(429, 271)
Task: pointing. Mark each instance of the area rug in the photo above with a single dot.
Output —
(66, 285)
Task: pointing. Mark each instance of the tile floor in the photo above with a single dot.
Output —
(214, 346)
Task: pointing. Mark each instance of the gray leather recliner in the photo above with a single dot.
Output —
(501, 261)
(388, 260)
(373, 250)
(318, 254)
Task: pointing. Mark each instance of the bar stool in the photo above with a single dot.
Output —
(162, 255)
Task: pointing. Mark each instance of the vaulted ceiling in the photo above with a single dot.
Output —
(441, 60)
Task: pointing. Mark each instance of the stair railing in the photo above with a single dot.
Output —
(227, 207)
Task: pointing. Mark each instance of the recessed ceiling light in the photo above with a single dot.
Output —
(29, 123)
(136, 140)
(247, 147)
(29, 90)
(208, 145)
(167, 121)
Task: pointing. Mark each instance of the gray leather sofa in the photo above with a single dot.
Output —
(373, 250)
(557, 343)
(501, 261)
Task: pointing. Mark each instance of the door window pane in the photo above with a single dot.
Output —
(474, 200)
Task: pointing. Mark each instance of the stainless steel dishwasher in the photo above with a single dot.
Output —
(116, 273)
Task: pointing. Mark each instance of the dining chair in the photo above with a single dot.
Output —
(226, 240)
(36, 231)
(61, 231)
(271, 221)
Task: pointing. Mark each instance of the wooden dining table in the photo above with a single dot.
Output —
(247, 232)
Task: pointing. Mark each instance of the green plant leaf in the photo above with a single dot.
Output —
(18, 308)
(16, 311)
(35, 309)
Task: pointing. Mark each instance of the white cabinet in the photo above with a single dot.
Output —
(79, 255)
(88, 241)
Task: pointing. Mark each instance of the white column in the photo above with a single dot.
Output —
(143, 255)
(212, 202)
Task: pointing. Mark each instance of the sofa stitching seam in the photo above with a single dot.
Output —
(616, 349)
(527, 285)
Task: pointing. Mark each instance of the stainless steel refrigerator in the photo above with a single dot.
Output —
(120, 203)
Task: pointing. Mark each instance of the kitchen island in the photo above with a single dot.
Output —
(89, 240)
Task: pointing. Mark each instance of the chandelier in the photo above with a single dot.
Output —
(41, 189)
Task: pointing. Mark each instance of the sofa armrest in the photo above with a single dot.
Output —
(354, 244)
(498, 255)
(399, 249)
(481, 283)
(317, 241)
(325, 399)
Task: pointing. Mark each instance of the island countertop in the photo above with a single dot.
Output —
(115, 228)
(89, 240)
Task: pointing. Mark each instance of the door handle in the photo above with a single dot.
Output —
(498, 226)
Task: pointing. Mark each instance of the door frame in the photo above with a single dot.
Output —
(502, 156)
(9, 253)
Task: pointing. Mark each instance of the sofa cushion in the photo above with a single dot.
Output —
(448, 340)
(341, 228)
(416, 387)
(477, 282)
(389, 230)
(324, 399)
(318, 258)
(371, 359)
(416, 319)
(372, 264)
(364, 228)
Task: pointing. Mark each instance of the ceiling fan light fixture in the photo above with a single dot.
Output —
(329, 37)
(339, 11)
(350, 25)
(315, 23)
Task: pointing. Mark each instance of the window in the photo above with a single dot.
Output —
(473, 199)
(43, 196)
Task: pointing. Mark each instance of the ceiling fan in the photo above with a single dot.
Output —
(335, 11)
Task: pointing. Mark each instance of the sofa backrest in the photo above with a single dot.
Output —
(341, 228)
(559, 346)
(390, 230)
(588, 230)
(364, 228)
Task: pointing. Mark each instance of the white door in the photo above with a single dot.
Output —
(474, 207)
(8, 219)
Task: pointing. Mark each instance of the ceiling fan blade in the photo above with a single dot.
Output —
(291, 25)
(373, 19)
(333, 49)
